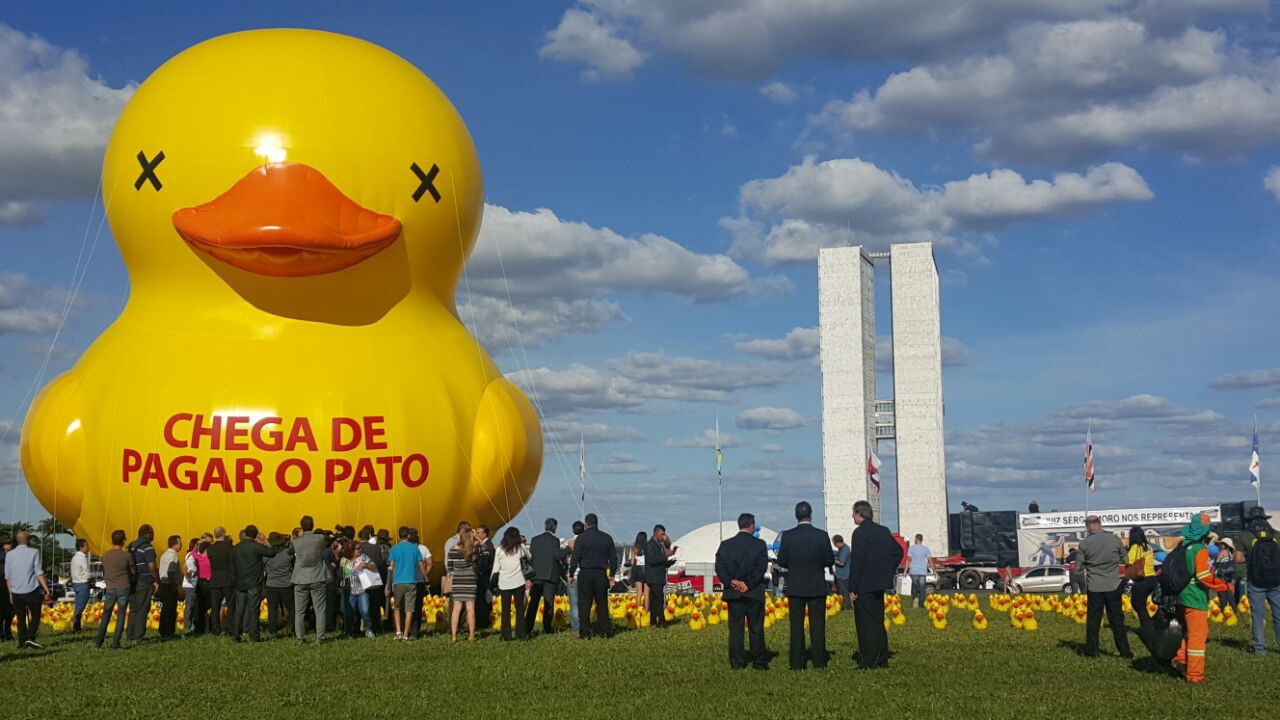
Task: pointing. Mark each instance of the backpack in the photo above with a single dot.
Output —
(1264, 561)
(1175, 576)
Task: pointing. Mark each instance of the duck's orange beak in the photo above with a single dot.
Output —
(286, 219)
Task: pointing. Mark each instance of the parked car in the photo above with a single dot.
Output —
(1043, 580)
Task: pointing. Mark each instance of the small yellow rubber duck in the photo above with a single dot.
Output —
(295, 209)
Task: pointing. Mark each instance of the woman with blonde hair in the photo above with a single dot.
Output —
(460, 562)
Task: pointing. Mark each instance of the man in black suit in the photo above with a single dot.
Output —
(805, 552)
(594, 553)
(548, 569)
(874, 557)
(657, 558)
(222, 580)
(741, 562)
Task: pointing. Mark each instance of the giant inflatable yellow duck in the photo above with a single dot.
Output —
(295, 209)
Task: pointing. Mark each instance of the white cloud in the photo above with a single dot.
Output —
(853, 201)
(27, 308)
(507, 328)
(769, 418)
(534, 277)
(569, 431)
(577, 388)
(662, 377)
(641, 377)
(1248, 380)
(770, 447)
(584, 37)
(54, 125)
(1002, 197)
(1144, 445)
(779, 92)
(752, 39)
(622, 464)
(1272, 181)
(1078, 90)
(705, 441)
(798, 343)
(1142, 408)
(14, 212)
(536, 254)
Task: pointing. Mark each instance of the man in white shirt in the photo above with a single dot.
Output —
(171, 575)
(80, 580)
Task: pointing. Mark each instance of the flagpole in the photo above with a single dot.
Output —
(1088, 442)
(719, 483)
(582, 474)
(1257, 486)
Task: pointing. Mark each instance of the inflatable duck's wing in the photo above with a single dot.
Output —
(53, 448)
(506, 452)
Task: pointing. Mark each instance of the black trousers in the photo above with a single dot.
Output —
(544, 593)
(139, 610)
(1110, 602)
(218, 596)
(279, 605)
(752, 611)
(27, 607)
(657, 604)
(522, 628)
(168, 597)
(377, 600)
(245, 617)
(333, 600)
(868, 619)
(593, 589)
(817, 632)
(6, 615)
(1138, 593)
(484, 604)
(415, 623)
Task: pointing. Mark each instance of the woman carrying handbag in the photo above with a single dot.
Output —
(511, 571)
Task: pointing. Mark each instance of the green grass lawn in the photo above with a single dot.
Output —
(675, 673)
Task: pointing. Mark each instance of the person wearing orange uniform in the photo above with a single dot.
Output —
(1194, 598)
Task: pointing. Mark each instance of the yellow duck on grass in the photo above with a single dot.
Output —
(294, 208)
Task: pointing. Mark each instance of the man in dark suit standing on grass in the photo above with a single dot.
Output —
(548, 569)
(658, 556)
(874, 557)
(741, 562)
(594, 555)
(805, 552)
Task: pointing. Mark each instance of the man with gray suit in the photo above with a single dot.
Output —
(308, 578)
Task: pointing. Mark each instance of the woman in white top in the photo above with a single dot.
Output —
(508, 577)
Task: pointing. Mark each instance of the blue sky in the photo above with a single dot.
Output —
(1095, 177)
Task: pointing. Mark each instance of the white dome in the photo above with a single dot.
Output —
(700, 545)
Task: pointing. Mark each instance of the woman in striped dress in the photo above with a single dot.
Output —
(460, 562)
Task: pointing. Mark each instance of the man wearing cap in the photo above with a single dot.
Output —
(1261, 591)
(1194, 598)
(1101, 554)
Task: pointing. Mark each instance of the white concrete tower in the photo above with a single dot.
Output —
(917, 394)
(847, 337)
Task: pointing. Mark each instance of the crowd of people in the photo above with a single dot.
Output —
(366, 584)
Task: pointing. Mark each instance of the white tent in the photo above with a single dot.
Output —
(699, 546)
